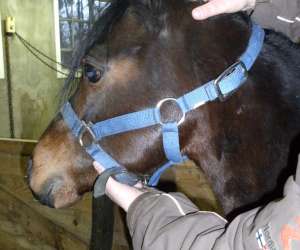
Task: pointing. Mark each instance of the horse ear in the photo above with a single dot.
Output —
(151, 12)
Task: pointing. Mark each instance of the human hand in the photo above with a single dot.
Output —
(100, 169)
(123, 195)
(216, 7)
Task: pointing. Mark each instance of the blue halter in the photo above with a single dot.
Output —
(221, 88)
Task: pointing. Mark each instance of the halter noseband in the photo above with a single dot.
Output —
(219, 89)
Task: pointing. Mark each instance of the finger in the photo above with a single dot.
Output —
(212, 8)
(138, 185)
(98, 167)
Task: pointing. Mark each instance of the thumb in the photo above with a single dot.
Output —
(212, 8)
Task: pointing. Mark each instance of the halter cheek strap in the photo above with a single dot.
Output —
(219, 89)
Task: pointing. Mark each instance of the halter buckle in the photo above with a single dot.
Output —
(158, 107)
(227, 72)
(86, 128)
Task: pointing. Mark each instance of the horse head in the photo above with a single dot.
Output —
(143, 51)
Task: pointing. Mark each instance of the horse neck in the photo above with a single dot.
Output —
(212, 46)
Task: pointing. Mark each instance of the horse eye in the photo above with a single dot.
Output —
(93, 74)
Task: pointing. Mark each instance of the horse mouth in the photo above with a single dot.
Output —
(65, 201)
(46, 196)
(54, 193)
(47, 199)
(56, 197)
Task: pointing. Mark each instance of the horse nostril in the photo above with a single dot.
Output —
(46, 197)
(47, 201)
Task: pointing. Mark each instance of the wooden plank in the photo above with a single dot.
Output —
(17, 146)
(190, 180)
(76, 220)
(22, 228)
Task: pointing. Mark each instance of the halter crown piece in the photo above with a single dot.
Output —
(219, 89)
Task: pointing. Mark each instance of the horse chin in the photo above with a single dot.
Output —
(60, 201)
(54, 192)
(63, 197)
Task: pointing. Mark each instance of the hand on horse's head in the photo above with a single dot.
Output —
(216, 7)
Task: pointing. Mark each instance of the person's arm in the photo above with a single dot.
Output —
(275, 226)
(171, 221)
(116, 191)
(163, 221)
(279, 15)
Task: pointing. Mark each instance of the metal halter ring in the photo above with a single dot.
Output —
(86, 128)
(158, 107)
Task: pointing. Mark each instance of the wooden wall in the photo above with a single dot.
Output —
(35, 88)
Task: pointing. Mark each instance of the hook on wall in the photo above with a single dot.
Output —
(10, 25)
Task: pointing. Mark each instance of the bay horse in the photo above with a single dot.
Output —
(147, 50)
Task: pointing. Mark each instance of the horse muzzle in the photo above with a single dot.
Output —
(53, 191)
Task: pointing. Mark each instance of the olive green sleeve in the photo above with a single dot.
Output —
(171, 221)
(163, 221)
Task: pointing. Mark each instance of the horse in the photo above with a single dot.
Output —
(148, 50)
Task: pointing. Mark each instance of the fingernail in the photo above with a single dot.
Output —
(196, 14)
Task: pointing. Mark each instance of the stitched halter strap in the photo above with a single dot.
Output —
(219, 89)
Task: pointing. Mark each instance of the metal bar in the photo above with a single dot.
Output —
(9, 87)
(17, 140)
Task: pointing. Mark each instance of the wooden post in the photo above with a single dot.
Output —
(102, 224)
